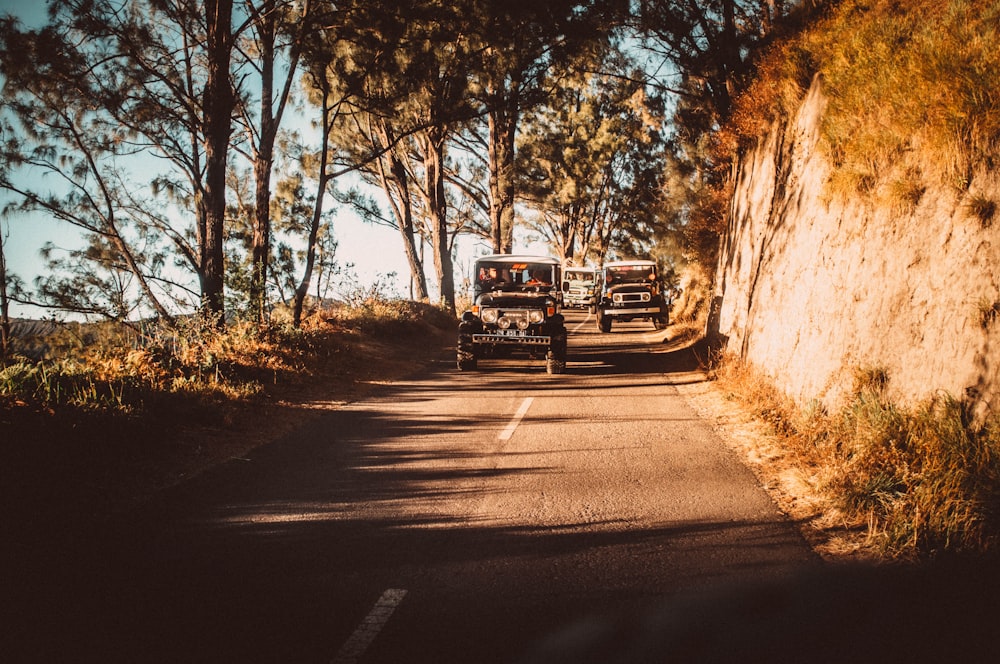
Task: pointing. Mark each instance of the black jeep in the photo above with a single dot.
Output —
(515, 307)
(632, 289)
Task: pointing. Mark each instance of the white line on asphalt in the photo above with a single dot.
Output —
(581, 324)
(365, 634)
(518, 416)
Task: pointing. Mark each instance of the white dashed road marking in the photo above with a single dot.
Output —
(581, 324)
(518, 416)
(365, 634)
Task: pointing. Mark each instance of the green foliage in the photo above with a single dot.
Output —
(591, 162)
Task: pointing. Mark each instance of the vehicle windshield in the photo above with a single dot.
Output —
(585, 276)
(514, 276)
(630, 274)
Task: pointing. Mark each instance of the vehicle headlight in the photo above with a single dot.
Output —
(490, 315)
(522, 324)
(503, 323)
(645, 297)
(536, 316)
(616, 297)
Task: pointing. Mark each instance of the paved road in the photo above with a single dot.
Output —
(454, 517)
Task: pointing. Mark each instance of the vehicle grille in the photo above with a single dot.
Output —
(626, 298)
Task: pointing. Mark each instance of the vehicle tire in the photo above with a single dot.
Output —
(467, 361)
(555, 358)
(603, 322)
(554, 365)
(660, 322)
(592, 309)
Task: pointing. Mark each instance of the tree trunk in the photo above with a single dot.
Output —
(4, 304)
(270, 119)
(396, 185)
(404, 221)
(262, 171)
(502, 133)
(322, 179)
(437, 215)
(731, 62)
(218, 107)
(303, 288)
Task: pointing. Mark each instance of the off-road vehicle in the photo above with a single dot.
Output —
(632, 289)
(580, 288)
(516, 306)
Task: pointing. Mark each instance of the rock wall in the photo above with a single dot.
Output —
(808, 290)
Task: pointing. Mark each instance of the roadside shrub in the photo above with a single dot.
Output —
(57, 383)
(385, 318)
(924, 479)
(982, 208)
(194, 365)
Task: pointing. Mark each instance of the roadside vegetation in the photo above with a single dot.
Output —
(103, 413)
(918, 481)
(912, 104)
(911, 89)
(118, 369)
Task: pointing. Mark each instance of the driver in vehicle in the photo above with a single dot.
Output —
(491, 277)
(540, 278)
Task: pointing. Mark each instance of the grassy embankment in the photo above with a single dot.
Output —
(913, 103)
(921, 481)
(105, 415)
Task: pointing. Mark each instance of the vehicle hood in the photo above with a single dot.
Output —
(514, 300)
(629, 288)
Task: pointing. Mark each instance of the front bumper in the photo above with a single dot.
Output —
(631, 311)
(512, 338)
(472, 333)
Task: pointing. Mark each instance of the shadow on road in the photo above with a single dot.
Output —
(267, 558)
(274, 557)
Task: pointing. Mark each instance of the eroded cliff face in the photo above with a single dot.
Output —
(808, 290)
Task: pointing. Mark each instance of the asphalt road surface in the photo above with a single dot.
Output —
(454, 517)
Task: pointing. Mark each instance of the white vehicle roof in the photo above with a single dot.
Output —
(626, 263)
(517, 258)
(577, 268)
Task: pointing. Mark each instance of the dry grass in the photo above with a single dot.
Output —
(911, 88)
(982, 208)
(108, 416)
(922, 481)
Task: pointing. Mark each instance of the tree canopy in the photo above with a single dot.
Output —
(202, 149)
